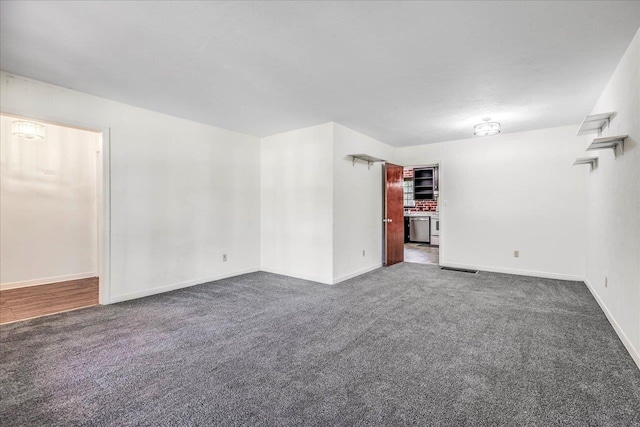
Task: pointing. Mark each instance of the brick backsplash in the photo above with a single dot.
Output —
(424, 206)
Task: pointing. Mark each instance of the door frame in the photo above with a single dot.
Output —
(103, 191)
(441, 211)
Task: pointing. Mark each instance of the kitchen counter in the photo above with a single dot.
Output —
(412, 214)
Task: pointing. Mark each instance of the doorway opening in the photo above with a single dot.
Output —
(52, 219)
(421, 189)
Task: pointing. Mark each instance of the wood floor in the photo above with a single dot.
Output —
(35, 301)
(421, 253)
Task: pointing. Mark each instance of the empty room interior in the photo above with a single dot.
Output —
(320, 213)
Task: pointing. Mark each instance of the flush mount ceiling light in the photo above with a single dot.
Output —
(27, 130)
(486, 128)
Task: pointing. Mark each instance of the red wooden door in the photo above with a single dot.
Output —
(394, 214)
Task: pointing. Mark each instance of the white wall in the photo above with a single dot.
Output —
(357, 204)
(296, 202)
(503, 193)
(319, 212)
(613, 206)
(182, 193)
(511, 192)
(48, 217)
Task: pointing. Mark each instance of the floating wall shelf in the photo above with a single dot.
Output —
(366, 158)
(593, 161)
(594, 123)
(609, 142)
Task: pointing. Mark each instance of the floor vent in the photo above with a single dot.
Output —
(462, 270)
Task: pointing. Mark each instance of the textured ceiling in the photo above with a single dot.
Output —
(404, 73)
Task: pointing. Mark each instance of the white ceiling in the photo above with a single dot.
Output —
(404, 73)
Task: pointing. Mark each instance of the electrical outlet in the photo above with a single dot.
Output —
(224, 257)
(363, 252)
(606, 282)
(516, 254)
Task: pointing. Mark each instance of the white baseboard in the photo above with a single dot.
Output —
(518, 272)
(174, 286)
(635, 355)
(356, 273)
(297, 276)
(47, 280)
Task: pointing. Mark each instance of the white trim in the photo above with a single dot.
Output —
(104, 219)
(356, 273)
(296, 276)
(47, 280)
(531, 273)
(635, 355)
(179, 285)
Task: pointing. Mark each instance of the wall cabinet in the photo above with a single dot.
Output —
(425, 182)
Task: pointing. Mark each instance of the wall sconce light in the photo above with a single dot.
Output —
(27, 130)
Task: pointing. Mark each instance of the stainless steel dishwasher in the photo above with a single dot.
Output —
(419, 230)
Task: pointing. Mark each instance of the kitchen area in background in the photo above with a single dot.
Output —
(421, 214)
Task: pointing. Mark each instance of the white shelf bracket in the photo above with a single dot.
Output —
(612, 142)
(591, 161)
(365, 158)
(595, 123)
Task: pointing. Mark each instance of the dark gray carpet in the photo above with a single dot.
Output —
(409, 344)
